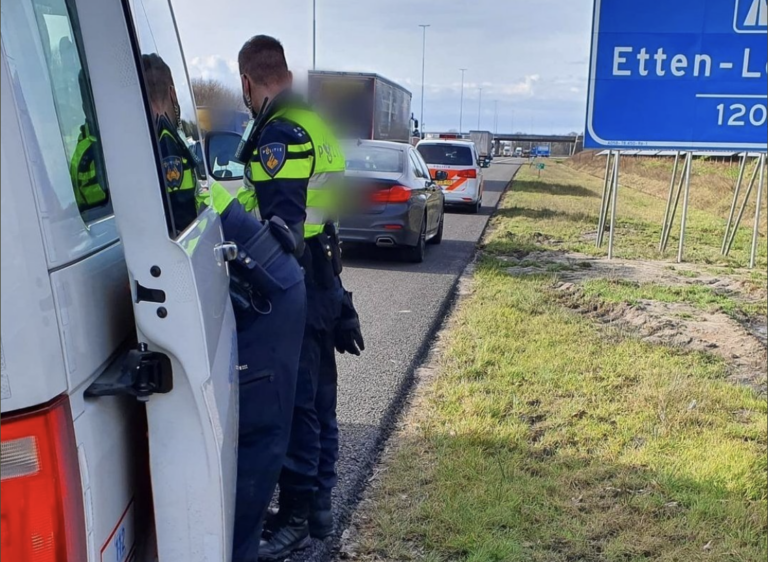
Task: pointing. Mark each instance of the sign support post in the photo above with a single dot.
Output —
(614, 197)
(672, 183)
(667, 229)
(604, 200)
(758, 203)
(683, 220)
(736, 191)
(737, 222)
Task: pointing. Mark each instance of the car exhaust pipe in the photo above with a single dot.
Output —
(385, 242)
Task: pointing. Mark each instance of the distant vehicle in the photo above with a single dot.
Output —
(362, 105)
(458, 158)
(398, 204)
(543, 151)
(219, 119)
(519, 151)
(507, 151)
(484, 144)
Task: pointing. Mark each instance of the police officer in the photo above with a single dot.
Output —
(85, 167)
(294, 171)
(178, 160)
(269, 301)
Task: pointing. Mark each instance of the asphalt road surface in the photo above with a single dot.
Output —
(400, 305)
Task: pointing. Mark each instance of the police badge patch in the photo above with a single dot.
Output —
(173, 172)
(272, 157)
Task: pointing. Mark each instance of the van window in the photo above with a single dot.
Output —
(172, 110)
(53, 88)
(446, 154)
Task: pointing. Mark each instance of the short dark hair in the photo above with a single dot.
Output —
(157, 76)
(262, 59)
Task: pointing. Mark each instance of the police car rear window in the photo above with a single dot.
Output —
(446, 154)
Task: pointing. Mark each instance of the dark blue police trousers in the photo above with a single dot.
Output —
(269, 351)
(310, 464)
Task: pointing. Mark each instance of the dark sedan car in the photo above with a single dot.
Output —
(395, 203)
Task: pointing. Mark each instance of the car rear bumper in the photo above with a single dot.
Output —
(393, 227)
(462, 196)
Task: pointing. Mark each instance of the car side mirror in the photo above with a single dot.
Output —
(220, 150)
(441, 175)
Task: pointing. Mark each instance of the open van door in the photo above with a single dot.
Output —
(185, 365)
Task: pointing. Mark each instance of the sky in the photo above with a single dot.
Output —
(529, 57)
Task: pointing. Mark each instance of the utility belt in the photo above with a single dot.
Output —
(322, 257)
(264, 265)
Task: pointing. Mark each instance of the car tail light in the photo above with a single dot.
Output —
(472, 174)
(394, 194)
(41, 505)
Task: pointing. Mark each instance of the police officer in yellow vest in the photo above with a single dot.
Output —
(85, 168)
(294, 170)
(177, 159)
(269, 301)
(87, 177)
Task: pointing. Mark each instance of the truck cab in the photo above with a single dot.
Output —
(119, 396)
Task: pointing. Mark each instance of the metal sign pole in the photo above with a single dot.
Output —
(672, 215)
(614, 197)
(672, 183)
(758, 203)
(736, 191)
(689, 160)
(740, 214)
(604, 200)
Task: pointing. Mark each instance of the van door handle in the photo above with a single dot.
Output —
(225, 251)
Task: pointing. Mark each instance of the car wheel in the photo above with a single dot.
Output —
(438, 237)
(476, 206)
(416, 253)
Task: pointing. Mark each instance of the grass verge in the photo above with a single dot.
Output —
(541, 440)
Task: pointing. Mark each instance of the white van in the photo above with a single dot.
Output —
(119, 397)
(459, 159)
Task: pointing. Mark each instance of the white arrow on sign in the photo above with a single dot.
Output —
(758, 14)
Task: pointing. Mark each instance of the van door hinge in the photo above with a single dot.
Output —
(140, 373)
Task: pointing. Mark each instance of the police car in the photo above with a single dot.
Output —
(119, 397)
(460, 161)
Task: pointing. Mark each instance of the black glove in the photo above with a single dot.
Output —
(348, 336)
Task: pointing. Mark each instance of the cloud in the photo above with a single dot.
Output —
(530, 57)
(214, 67)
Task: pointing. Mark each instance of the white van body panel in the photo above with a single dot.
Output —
(32, 361)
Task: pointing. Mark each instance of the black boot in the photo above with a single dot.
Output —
(276, 516)
(321, 516)
(293, 532)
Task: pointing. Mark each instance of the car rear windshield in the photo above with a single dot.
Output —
(446, 154)
(374, 158)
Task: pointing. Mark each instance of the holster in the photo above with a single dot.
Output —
(265, 264)
(322, 259)
(332, 233)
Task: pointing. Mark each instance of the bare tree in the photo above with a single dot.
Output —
(215, 94)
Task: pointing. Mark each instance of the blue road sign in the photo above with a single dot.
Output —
(679, 74)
